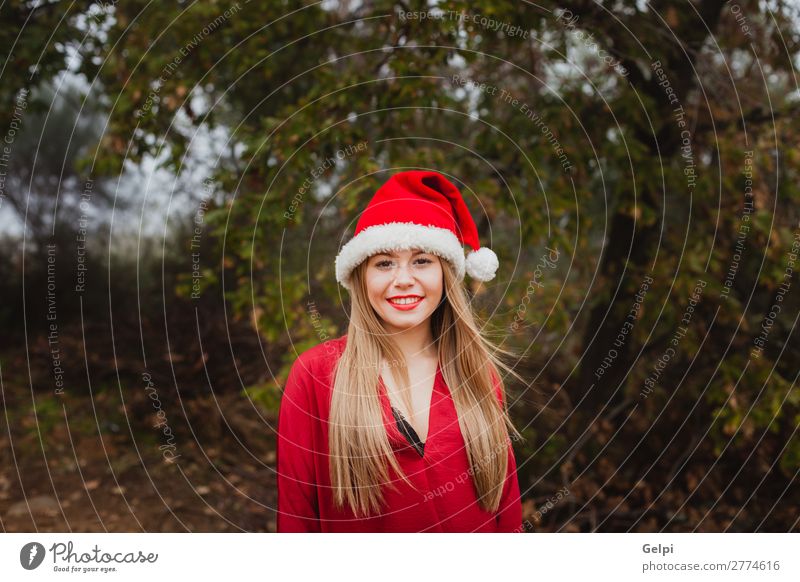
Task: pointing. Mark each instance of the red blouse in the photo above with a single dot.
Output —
(445, 499)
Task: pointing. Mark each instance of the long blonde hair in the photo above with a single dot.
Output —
(360, 452)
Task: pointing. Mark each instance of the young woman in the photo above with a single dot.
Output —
(401, 424)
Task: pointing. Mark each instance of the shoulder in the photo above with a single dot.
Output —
(313, 368)
(322, 355)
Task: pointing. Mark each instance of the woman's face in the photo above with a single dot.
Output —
(415, 276)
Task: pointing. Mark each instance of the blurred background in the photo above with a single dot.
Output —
(176, 180)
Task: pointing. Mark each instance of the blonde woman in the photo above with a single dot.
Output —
(401, 425)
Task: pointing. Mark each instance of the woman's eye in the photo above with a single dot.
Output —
(384, 264)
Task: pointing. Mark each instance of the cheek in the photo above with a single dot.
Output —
(434, 281)
(376, 286)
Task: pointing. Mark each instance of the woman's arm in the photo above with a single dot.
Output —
(509, 513)
(298, 509)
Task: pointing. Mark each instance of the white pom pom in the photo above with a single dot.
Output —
(482, 264)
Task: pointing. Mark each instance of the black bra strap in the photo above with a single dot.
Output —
(408, 431)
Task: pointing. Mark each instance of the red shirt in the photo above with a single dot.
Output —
(445, 499)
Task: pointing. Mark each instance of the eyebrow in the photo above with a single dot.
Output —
(395, 254)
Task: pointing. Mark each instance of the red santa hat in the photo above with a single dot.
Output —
(418, 209)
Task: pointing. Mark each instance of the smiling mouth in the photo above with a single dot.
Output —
(405, 303)
(405, 300)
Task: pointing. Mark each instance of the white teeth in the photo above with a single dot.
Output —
(406, 300)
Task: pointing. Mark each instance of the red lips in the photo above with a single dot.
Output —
(407, 307)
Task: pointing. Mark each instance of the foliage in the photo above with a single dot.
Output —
(630, 176)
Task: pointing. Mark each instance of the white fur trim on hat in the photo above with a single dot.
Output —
(482, 264)
(399, 236)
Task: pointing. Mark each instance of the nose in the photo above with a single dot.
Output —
(403, 276)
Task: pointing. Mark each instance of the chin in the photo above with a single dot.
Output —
(405, 322)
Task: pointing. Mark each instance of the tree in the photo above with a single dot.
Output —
(618, 135)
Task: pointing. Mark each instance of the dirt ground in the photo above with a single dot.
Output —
(77, 466)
